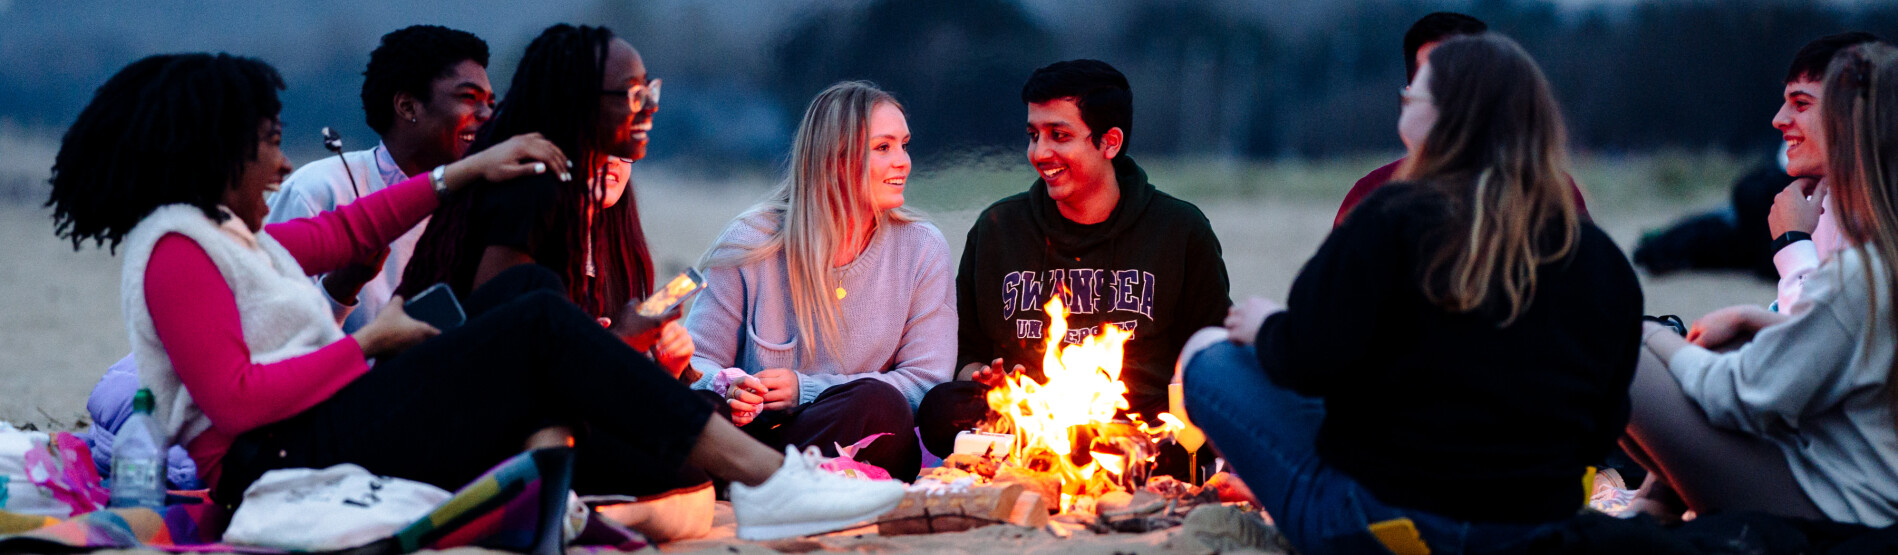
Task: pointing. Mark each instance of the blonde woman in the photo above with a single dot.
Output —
(829, 308)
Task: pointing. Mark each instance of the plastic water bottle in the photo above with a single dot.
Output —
(138, 459)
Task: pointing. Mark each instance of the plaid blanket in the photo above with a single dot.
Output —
(517, 506)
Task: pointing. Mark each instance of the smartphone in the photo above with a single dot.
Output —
(675, 292)
(438, 307)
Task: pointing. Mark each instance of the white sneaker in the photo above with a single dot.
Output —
(800, 499)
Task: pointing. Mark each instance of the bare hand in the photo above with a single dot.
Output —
(641, 332)
(780, 388)
(1243, 320)
(520, 156)
(674, 348)
(1795, 210)
(1722, 326)
(746, 399)
(991, 374)
(392, 331)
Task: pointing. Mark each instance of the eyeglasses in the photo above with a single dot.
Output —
(639, 97)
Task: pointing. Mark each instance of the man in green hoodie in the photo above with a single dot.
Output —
(1091, 230)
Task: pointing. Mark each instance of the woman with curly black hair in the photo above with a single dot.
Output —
(171, 159)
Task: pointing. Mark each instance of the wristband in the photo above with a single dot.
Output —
(1789, 238)
(439, 178)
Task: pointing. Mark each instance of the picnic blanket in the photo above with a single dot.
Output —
(517, 506)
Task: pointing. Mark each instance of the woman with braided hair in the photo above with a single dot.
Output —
(588, 92)
(169, 163)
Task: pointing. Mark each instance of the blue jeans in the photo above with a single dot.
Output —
(1268, 434)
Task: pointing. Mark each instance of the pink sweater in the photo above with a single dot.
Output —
(195, 315)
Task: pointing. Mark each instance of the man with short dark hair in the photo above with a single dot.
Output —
(1092, 232)
(1776, 224)
(1803, 229)
(1419, 41)
(426, 92)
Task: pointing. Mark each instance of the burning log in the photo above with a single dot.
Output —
(1047, 484)
(1058, 442)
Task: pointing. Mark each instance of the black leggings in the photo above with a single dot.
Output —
(844, 414)
(446, 410)
(1713, 469)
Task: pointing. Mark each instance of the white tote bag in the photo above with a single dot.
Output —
(339, 507)
(17, 492)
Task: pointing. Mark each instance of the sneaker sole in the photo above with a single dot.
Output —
(795, 529)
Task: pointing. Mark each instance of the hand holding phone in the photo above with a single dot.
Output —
(673, 294)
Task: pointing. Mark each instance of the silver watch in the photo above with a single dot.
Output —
(439, 178)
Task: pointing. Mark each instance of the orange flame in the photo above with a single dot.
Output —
(1082, 390)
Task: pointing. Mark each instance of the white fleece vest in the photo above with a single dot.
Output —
(283, 313)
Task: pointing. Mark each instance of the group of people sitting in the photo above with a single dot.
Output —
(1449, 369)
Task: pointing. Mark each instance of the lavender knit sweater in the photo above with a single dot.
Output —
(898, 313)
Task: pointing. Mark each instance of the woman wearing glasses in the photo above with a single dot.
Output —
(589, 93)
(828, 310)
(169, 164)
(1456, 355)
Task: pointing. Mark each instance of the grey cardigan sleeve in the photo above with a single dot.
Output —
(1789, 369)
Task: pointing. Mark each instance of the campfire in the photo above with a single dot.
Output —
(1057, 445)
(1066, 428)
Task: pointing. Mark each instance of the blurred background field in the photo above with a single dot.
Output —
(1262, 113)
(61, 325)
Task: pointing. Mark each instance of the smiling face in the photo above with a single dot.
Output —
(887, 158)
(459, 102)
(1798, 124)
(261, 175)
(1419, 113)
(623, 131)
(1062, 149)
(618, 172)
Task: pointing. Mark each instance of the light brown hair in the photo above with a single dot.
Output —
(1499, 151)
(1859, 113)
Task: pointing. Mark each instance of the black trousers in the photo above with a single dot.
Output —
(446, 410)
(843, 415)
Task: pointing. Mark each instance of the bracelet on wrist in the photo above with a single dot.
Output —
(1789, 238)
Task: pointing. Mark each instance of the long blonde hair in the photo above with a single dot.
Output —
(823, 197)
(1860, 118)
(1499, 152)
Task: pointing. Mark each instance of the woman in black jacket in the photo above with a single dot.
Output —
(1456, 354)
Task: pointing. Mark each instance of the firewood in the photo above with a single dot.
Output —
(922, 512)
(1029, 511)
(973, 464)
(1047, 484)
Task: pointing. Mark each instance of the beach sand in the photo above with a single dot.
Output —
(62, 324)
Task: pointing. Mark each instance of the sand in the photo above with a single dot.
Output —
(62, 325)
